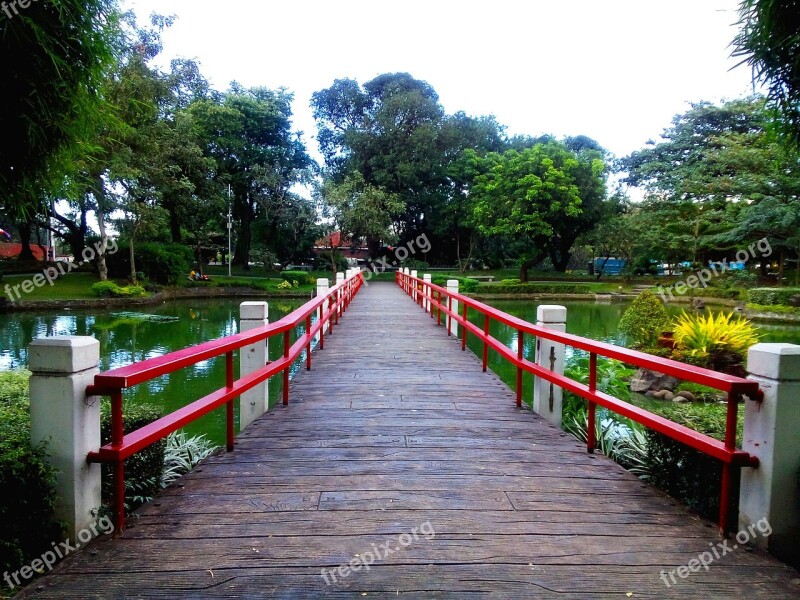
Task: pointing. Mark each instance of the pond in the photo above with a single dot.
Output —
(124, 340)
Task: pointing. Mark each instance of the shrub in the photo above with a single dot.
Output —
(784, 296)
(109, 289)
(301, 277)
(465, 284)
(510, 282)
(644, 320)
(413, 264)
(161, 263)
(737, 279)
(534, 288)
(27, 527)
(714, 337)
(143, 470)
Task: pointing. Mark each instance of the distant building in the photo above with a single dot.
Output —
(347, 247)
(8, 251)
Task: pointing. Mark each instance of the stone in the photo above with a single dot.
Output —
(644, 380)
(689, 396)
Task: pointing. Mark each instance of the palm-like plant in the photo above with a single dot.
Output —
(711, 338)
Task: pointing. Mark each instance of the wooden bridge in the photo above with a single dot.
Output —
(400, 469)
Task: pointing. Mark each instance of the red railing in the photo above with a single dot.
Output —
(439, 302)
(112, 383)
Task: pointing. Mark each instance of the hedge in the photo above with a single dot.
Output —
(465, 284)
(789, 296)
(301, 277)
(535, 288)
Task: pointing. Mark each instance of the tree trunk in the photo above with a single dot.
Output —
(526, 265)
(133, 262)
(24, 228)
(100, 197)
(175, 227)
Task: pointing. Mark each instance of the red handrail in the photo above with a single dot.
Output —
(111, 383)
(736, 387)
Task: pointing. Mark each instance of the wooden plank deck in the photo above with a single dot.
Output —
(396, 430)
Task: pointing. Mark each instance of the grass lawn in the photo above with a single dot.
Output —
(72, 286)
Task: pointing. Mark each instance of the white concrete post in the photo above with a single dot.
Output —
(254, 402)
(549, 355)
(769, 493)
(428, 293)
(322, 290)
(68, 422)
(339, 279)
(405, 279)
(414, 286)
(452, 288)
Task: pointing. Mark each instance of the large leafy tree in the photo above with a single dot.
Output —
(56, 55)
(769, 41)
(714, 161)
(248, 134)
(526, 194)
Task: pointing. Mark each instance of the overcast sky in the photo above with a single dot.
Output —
(615, 70)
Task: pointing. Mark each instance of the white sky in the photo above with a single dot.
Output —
(615, 70)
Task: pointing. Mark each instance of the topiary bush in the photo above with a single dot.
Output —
(143, 470)
(27, 527)
(644, 320)
(301, 277)
(109, 289)
(165, 264)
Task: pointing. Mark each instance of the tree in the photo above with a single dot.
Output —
(62, 51)
(248, 134)
(361, 210)
(711, 156)
(525, 193)
(769, 41)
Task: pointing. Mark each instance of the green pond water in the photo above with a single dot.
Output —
(125, 340)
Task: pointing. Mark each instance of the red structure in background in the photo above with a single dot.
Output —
(14, 250)
(347, 247)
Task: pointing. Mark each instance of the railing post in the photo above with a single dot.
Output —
(452, 324)
(339, 279)
(69, 422)
(322, 289)
(549, 355)
(427, 291)
(771, 428)
(414, 285)
(254, 402)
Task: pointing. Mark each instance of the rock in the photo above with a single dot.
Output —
(644, 380)
(684, 394)
(680, 399)
(661, 394)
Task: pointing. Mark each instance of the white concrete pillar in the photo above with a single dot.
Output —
(254, 402)
(414, 286)
(549, 355)
(339, 280)
(428, 293)
(407, 273)
(769, 494)
(452, 288)
(322, 290)
(68, 422)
